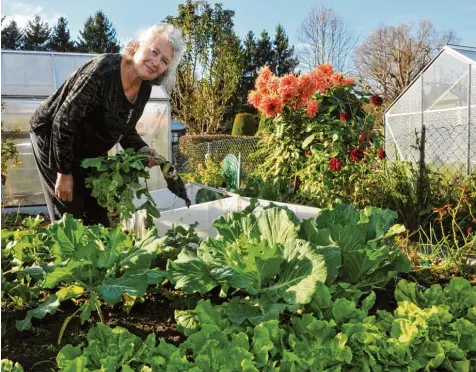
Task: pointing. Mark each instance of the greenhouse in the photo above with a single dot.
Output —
(30, 77)
(434, 119)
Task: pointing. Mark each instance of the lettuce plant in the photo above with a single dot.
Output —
(93, 263)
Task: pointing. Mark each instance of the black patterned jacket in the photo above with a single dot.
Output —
(89, 114)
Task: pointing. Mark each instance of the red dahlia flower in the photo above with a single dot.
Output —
(381, 153)
(272, 106)
(376, 100)
(312, 108)
(335, 164)
(344, 117)
(357, 154)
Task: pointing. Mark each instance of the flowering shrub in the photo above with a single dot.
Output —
(322, 138)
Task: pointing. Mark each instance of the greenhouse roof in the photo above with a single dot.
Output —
(32, 74)
(446, 76)
(469, 53)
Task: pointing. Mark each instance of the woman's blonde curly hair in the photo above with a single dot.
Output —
(174, 37)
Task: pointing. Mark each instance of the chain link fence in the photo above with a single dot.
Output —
(444, 149)
(434, 121)
(217, 150)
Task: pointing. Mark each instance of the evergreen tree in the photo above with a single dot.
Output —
(12, 37)
(37, 34)
(264, 51)
(60, 37)
(247, 79)
(249, 56)
(98, 35)
(284, 60)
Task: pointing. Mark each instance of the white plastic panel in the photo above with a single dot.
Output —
(472, 136)
(23, 186)
(468, 52)
(403, 125)
(158, 93)
(17, 113)
(205, 214)
(65, 64)
(409, 102)
(27, 74)
(445, 83)
(174, 212)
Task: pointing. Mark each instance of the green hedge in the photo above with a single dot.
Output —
(244, 125)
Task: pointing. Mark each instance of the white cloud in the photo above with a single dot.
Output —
(22, 13)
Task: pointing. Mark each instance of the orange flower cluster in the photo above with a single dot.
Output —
(272, 93)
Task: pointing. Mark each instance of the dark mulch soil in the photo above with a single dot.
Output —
(426, 276)
(36, 350)
(12, 221)
(385, 299)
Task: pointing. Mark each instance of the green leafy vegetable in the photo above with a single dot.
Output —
(115, 181)
(370, 255)
(177, 238)
(345, 339)
(272, 256)
(9, 366)
(95, 263)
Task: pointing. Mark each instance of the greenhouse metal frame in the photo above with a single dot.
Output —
(433, 121)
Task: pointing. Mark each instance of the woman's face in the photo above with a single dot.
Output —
(153, 59)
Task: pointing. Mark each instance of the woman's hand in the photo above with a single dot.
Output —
(64, 187)
(153, 158)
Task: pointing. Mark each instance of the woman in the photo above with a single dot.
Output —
(97, 107)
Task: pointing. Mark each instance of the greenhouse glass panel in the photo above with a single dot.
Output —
(467, 52)
(64, 65)
(472, 128)
(17, 113)
(23, 186)
(27, 74)
(403, 124)
(443, 86)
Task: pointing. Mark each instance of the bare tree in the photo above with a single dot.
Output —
(392, 56)
(325, 38)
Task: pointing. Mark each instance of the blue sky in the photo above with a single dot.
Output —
(131, 16)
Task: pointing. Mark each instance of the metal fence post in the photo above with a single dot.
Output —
(421, 161)
(421, 177)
